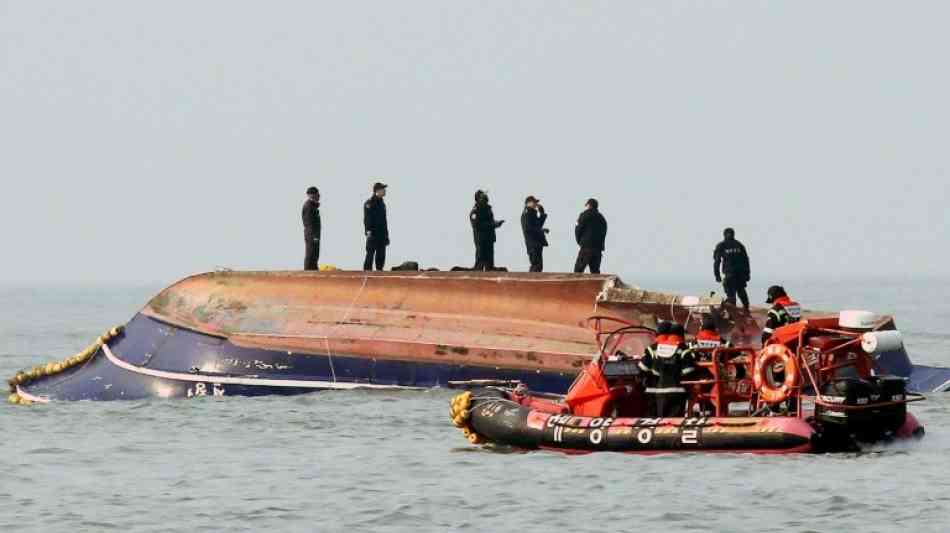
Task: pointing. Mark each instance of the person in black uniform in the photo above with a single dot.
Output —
(591, 235)
(483, 229)
(311, 229)
(668, 360)
(377, 228)
(535, 238)
(731, 255)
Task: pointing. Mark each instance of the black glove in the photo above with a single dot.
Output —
(718, 279)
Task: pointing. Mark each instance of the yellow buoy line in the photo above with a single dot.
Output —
(460, 412)
(24, 377)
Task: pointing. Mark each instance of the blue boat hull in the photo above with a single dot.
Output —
(154, 359)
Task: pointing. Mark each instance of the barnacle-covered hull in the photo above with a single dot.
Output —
(250, 333)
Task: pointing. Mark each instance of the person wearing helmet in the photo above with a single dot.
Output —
(311, 229)
(784, 311)
(483, 229)
(535, 234)
(376, 227)
(731, 268)
(667, 362)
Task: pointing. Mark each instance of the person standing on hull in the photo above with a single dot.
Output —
(735, 274)
(535, 234)
(784, 311)
(311, 229)
(591, 235)
(377, 229)
(483, 229)
(668, 361)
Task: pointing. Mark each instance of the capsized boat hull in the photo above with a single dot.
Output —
(251, 333)
(153, 359)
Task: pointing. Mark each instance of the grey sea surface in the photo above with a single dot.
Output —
(391, 461)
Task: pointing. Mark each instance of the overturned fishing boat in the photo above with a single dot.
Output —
(814, 387)
(256, 333)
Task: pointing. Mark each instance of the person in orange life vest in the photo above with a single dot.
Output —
(708, 335)
(669, 360)
(784, 311)
(707, 339)
(648, 379)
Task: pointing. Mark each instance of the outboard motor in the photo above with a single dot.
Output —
(862, 409)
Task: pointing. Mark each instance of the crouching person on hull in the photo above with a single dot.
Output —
(668, 361)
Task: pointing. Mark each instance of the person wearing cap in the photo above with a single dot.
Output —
(591, 236)
(666, 363)
(731, 256)
(311, 229)
(535, 234)
(784, 311)
(483, 229)
(377, 228)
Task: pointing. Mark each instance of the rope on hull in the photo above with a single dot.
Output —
(25, 377)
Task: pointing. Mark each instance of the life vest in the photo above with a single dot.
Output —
(707, 338)
(668, 362)
(786, 311)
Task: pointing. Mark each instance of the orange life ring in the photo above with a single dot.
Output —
(772, 354)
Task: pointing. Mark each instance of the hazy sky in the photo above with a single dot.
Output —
(148, 140)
